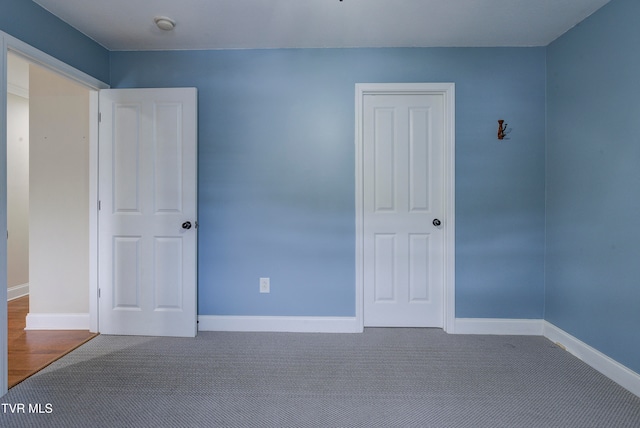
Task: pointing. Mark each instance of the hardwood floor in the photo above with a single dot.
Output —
(31, 351)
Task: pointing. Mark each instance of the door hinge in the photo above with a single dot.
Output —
(99, 293)
(99, 205)
(99, 117)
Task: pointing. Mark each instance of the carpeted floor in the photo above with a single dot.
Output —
(381, 378)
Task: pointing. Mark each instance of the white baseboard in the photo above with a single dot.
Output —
(620, 374)
(499, 326)
(351, 325)
(279, 324)
(17, 291)
(57, 322)
(612, 369)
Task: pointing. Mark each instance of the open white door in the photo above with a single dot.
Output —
(147, 218)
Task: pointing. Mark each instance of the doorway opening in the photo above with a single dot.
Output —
(14, 46)
(47, 216)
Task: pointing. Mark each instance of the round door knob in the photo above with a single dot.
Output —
(436, 222)
(186, 225)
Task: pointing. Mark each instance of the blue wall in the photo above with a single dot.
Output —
(276, 172)
(593, 182)
(25, 20)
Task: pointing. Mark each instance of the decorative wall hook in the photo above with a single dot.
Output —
(502, 129)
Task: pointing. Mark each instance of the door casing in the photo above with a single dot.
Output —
(447, 90)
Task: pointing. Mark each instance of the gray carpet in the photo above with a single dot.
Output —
(381, 378)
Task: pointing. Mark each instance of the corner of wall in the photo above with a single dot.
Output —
(615, 371)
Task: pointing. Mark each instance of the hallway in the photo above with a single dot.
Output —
(31, 351)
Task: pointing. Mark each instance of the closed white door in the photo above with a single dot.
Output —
(147, 217)
(403, 149)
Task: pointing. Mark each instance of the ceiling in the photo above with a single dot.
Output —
(248, 24)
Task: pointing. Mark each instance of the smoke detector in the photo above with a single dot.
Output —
(164, 23)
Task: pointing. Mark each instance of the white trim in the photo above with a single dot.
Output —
(93, 211)
(17, 291)
(279, 324)
(615, 371)
(612, 369)
(4, 364)
(42, 59)
(499, 326)
(448, 91)
(57, 322)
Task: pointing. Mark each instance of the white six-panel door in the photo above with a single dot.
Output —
(403, 148)
(147, 216)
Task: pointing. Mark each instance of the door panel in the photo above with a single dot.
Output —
(384, 279)
(147, 269)
(419, 267)
(168, 274)
(419, 168)
(126, 150)
(403, 181)
(168, 157)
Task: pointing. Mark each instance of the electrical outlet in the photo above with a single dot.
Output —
(265, 285)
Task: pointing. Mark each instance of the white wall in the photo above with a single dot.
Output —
(59, 195)
(17, 190)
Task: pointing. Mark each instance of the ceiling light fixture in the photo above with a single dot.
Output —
(164, 23)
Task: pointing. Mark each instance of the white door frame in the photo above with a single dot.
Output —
(10, 43)
(448, 92)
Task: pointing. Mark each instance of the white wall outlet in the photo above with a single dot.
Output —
(265, 285)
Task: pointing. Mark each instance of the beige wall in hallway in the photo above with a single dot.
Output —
(17, 190)
(59, 194)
